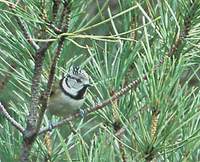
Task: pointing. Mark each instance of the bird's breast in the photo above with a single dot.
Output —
(63, 105)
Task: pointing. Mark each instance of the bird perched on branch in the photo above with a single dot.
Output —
(69, 95)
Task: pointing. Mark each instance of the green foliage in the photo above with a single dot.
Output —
(116, 42)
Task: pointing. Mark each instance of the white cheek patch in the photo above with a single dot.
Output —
(69, 90)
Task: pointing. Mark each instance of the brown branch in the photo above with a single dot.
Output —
(34, 122)
(10, 119)
(30, 132)
(54, 64)
(22, 27)
(56, 4)
(65, 18)
(186, 28)
(25, 32)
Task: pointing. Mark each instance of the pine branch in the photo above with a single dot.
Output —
(34, 122)
(56, 4)
(26, 33)
(53, 27)
(30, 132)
(23, 28)
(64, 20)
(185, 31)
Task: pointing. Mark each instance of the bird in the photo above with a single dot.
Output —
(69, 94)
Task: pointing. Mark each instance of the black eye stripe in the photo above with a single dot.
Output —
(66, 81)
(71, 77)
(77, 79)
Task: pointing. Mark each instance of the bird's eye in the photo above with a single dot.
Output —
(78, 80)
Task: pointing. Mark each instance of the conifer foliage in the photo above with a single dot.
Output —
(143, 59)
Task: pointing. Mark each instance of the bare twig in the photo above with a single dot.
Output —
(51, 77)
(64, 18)
(10, 119)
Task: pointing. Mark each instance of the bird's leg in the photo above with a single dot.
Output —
(50, 125)
(82, 113)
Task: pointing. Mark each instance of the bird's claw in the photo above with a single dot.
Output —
(50, 126)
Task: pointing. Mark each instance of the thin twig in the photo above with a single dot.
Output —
(51, 77)
(10, 119)
(26, 33)
(64, 18)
